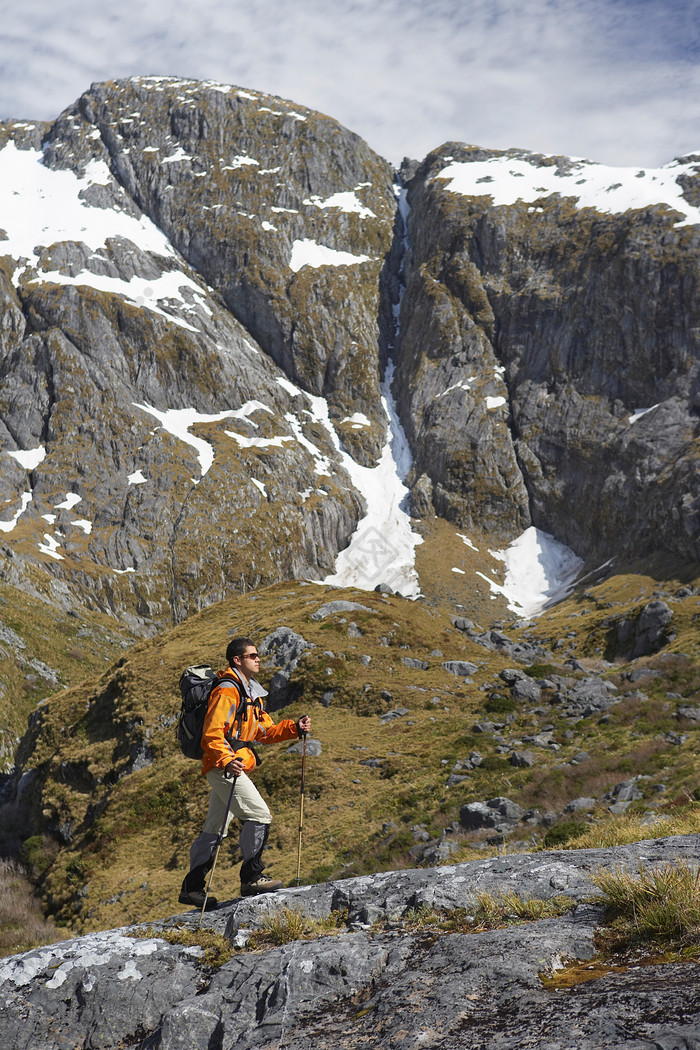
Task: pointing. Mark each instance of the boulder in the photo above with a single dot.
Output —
(526, 689)
(522, 759)
(494, 813)
(461, 668)
(578, 805)
(313, 747)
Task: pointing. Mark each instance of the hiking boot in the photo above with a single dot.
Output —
(195, 899)
(261, 885)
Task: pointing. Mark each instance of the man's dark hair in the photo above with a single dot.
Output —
(236, 647)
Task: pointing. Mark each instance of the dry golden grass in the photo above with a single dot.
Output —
(657, 905)
(488, 911)
(635, 827)
(127, 865)
(22, 924)
(290, 924)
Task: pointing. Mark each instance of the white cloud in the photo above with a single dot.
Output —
(613, 80)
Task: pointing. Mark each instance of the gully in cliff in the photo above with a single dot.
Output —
(235, 720)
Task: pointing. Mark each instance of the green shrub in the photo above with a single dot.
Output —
(540, 670)
(562, 833)
(37, 852)
(322, 873)
(75, 869)
(389, 770)
(494, 764)
(497, 704)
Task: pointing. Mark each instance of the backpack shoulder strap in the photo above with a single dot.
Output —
(229, 680)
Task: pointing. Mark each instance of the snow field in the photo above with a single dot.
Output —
(613, 190)
(539, 571)
(41, 207)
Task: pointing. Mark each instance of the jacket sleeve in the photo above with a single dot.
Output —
(217, 753)
(270, 732)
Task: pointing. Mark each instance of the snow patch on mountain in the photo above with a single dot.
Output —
(639, 412)
(29, 458)
(41, 207)
(507, 179)
(539, 572)
(177, 421)
(71, 500)
(8, 526)
(347, 201)
(382, 548)
(307, 252)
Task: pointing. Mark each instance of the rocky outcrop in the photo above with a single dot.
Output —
(371, 985)
(532, 334)
(283, 648)
(646, 633)
(246, 187)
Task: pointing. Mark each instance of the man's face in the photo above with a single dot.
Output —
(249, 662)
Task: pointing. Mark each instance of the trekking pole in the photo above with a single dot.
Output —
(216, 853)
(301, 804)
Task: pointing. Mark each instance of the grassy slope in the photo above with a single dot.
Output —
(128, 857)
(72, 646)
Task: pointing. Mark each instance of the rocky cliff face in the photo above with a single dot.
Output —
(179, 253)
(200, 287)
(548, 362)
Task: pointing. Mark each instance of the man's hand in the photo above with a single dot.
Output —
(234, 768)
(303, 725)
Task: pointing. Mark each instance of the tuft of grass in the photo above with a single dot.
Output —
(291, 924)
(216, 949)
(503, 909)
(530, 909)
(427, 919)
(488, 912)
(659, 906)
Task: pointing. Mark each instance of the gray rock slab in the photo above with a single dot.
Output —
(100, 990)
(379, 987)
(412, 983)
(339, 607)
(391, 894)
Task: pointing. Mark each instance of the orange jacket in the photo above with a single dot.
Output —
(223, 723)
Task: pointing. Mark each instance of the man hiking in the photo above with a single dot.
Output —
(235, 719)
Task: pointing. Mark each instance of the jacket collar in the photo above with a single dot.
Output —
(253, 689)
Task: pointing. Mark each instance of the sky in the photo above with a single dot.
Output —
(615, 81)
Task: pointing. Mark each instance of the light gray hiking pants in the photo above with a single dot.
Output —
(247, 805)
